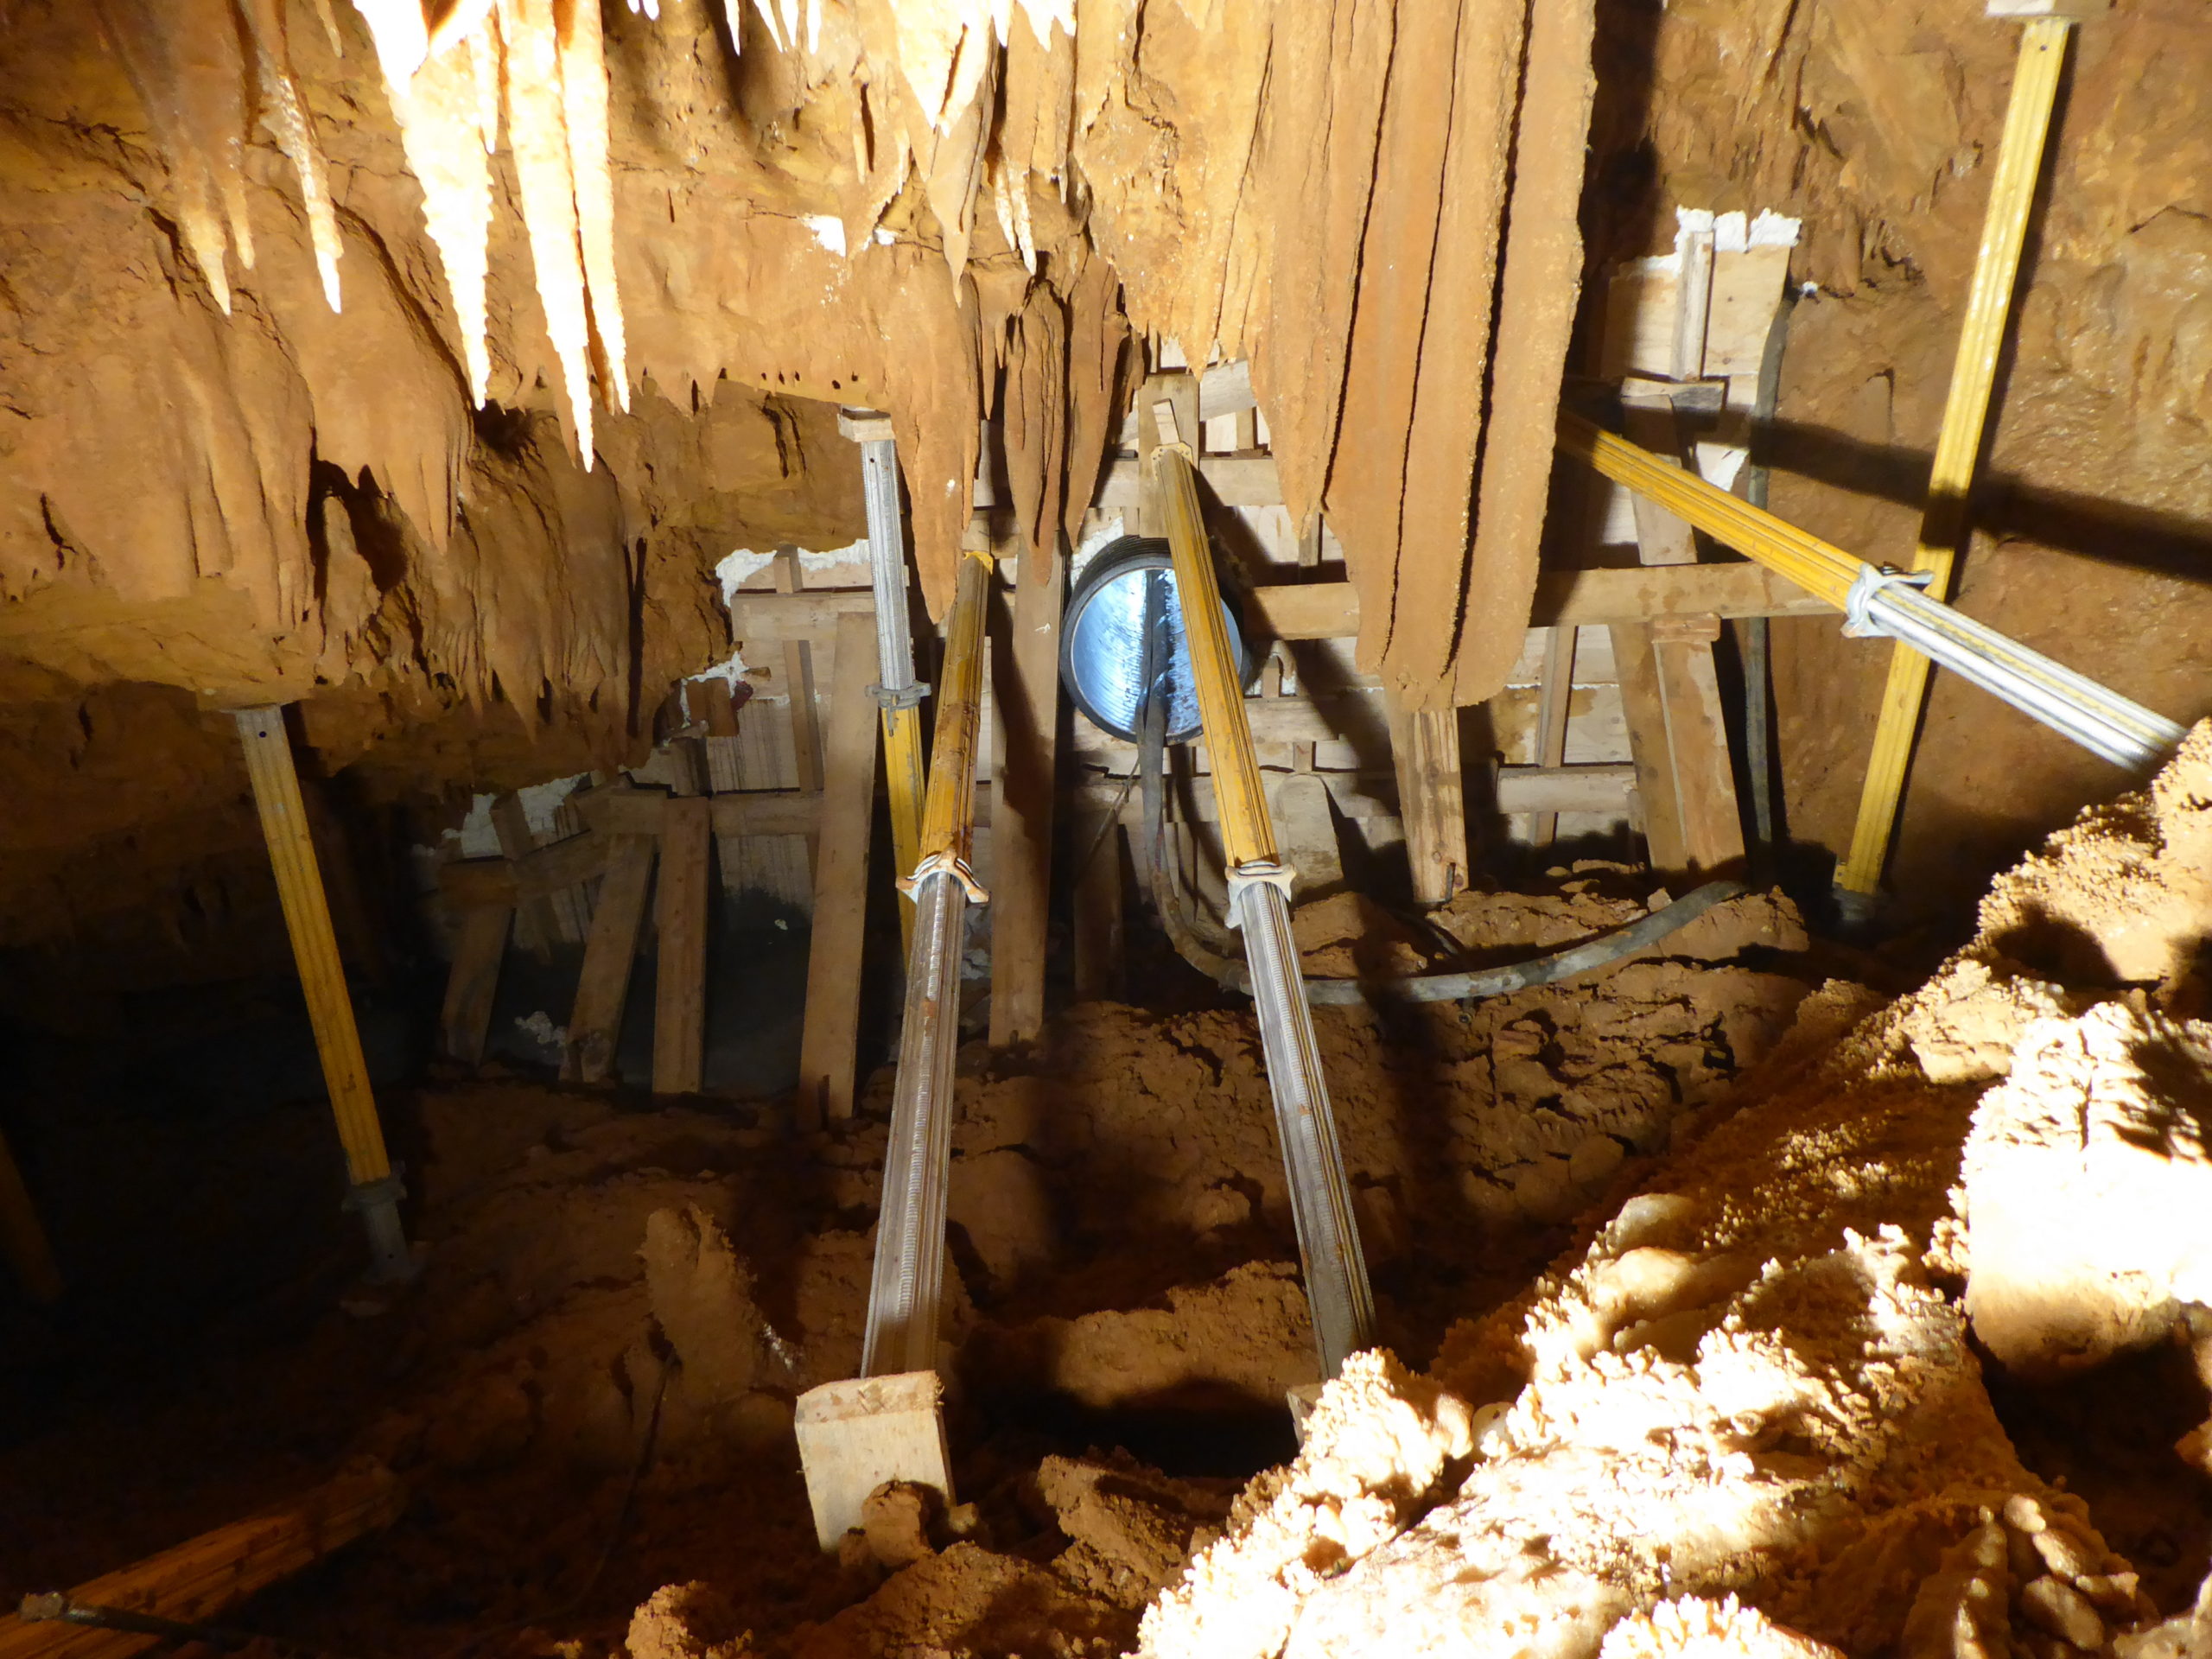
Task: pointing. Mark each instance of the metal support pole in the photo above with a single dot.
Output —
(1337, 1287)
(906, 1288)
(1943, 527)
(1888, 603)
(896, 689)
(375, 1189)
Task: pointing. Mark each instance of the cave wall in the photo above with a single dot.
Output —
(1877, 123)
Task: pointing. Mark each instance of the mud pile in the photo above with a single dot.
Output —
(619, 1307)
(1746, 1409)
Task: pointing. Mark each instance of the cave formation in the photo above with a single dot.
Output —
(509, 942)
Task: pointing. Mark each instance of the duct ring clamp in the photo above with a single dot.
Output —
(904, 696)
(1859, 621)
(1259, 872)
(945, 863)
(370, 1195)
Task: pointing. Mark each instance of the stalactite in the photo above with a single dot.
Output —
(191, 80)
(537, 136)
(439, 104)
(583, 102)
(287, 118)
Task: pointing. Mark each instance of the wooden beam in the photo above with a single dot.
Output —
(200, 1580)
(829, 1037)
(473, 981)
(1233, 480)
(314, 947)
(555, 868)
(1027, 704)
(1598, 787)
(680, 988)
(610, 952)
(1330, 610)
(1432, 800)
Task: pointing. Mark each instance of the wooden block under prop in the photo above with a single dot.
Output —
(854, 1436)
(202, 1579)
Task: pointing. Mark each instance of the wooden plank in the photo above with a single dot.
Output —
(535, 929)
(480, 943)
(314, 947)
(200, 1581)
(680, 1004)
(1027, 681)
(1645, 710)
(1098, 914)
(1704, 781)
(1224, 389)
(559, 867)
(603, 987)
(764, 619)
(1432, 800)
(829, 1039)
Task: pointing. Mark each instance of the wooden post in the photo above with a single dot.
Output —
(603, 987)
(1432, 800)
(472, 983)
(1098, 916)
(1027, 708)
(1643, 708)
(322, 978)
(1684, 776)
(1943, 524)
(831, 1032)
(680, 1004)
(798, 677)
(1705, 783)
(1554, 703)
(23, 1236)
